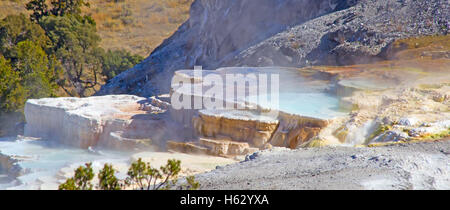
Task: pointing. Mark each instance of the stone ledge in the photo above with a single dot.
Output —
(89, 122)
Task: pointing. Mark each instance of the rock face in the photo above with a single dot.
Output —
(241, 126)
(391, 136)
(9, 166)
(287, 130)
(295, 130)
(112, 121)
(216, 31)
(281, 33)
(215, 147)
(359, 34)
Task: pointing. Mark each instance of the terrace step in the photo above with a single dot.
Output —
(213, 147)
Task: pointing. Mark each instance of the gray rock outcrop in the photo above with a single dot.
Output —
(282, 33)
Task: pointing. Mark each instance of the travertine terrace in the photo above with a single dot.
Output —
(118, 122)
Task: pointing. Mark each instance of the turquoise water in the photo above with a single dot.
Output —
(40, 159)
(5, 181)
(299, 92)
(317, 105)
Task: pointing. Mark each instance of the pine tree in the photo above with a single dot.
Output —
(107, 179)
(82, 180)
(32, 65)
(12, 94)
(39, 9)
(64, 7)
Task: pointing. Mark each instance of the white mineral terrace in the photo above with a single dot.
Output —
(80, 122)
(64, 133)
(298, 94)
(292, 108)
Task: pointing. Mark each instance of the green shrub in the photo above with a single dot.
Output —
(12, 93)
(140, 176)
(75, 43)
(18, 28)
(107, 179)
(33, 66)
(116, 62)
(82, 180)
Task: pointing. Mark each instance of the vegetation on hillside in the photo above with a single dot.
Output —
(137, 26)
(54, 51)
(75, 46)
(141, 175)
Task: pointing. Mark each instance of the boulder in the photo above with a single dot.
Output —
(391, 136)
(224, 147)
(186, 147)
(9, 166)
(430, 128)
(408, 121)
(214, 147)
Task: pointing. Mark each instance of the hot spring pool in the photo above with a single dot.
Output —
(41, 162)
(315, 105)
(299, 92)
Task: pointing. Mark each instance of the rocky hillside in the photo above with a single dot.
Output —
(282, 33)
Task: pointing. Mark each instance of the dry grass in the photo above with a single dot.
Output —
(11, 7)
(442, 42)
(410, 55)
(138, 26)
(410, 65)
(414, 48)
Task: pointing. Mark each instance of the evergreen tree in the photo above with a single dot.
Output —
(18, 28)
(140, 174)
(39, 9)
(12, 94)
(107, 179)
(76, 44)
(65, 7)
(32, 64)
(116, 62)
(82, 180)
